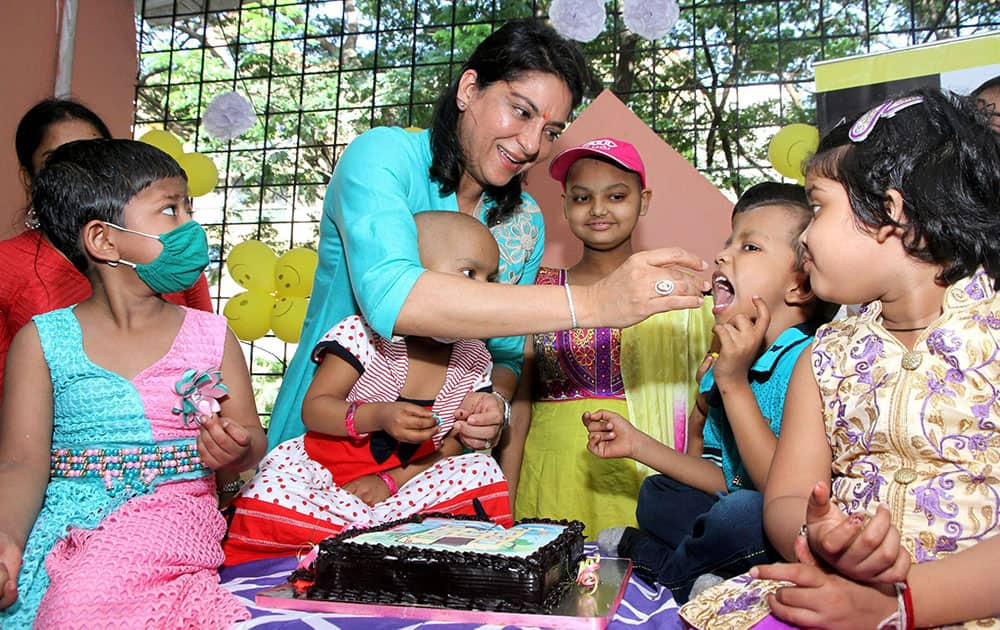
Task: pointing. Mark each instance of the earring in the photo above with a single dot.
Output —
(461, 105)
(31, 219)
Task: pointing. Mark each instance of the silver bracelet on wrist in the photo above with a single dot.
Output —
(506, 408)
(572, 309)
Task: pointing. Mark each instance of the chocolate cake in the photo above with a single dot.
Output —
(450, 561)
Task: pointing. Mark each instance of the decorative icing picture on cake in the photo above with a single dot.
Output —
(473, 536)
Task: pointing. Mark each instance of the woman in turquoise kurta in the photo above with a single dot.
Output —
(502, 115)
(380, 182)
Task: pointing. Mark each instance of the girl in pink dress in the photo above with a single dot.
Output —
(116, 414)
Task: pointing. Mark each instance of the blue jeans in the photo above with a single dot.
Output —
(684, 532)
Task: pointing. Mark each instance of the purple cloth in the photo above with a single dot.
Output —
(772, 623)
(644, 606)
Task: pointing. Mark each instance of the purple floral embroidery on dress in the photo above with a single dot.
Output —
(928, 501)
(852, 437)
(937, 386)
(973, 289)
(979, 442)
(920, 552)
(943, 544)
(744, 601)
(822, 362)
(946, 544)
(743, 579)
(873, 481)
(975, 480)
(990, 320)
(954, 375)
(871, 349)
(943, 342)
(981, 412)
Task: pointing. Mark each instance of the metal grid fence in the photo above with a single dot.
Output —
(320, 72)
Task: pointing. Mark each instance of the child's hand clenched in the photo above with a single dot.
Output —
(867, 550)
(223, 444)
(740, 342)
(407, 422)
(610, 435)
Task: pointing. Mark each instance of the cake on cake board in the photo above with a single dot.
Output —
(460, 569)
(577, 610)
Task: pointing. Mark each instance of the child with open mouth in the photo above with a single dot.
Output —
(702, 515)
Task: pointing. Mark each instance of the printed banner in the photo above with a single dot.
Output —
(848, 86)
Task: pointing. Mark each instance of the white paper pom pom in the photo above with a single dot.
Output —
(650, 19)
(582, 20)
(229, 115)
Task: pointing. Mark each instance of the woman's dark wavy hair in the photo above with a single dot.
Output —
(944, 160)
(93, 179)
(36, 122)
(516, 48)
(793, 197)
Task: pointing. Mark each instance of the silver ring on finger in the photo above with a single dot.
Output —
(488, 444)
(664, 287)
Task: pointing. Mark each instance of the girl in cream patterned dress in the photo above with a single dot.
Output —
(884, 485)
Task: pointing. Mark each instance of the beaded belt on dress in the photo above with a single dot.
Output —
(140, 463)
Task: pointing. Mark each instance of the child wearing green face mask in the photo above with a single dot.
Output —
(118, 411)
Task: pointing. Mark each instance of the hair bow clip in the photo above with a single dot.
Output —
(863, 126)
(198, 395)
(587, 575)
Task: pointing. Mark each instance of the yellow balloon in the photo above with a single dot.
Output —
(201, 172)
(790, 147)
(164, 141)
(249, 314)
(251, 264)
(294, 271)
(287, 316)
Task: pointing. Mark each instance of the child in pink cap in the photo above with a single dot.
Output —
(567, 372)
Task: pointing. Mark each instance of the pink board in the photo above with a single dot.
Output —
(576, 611)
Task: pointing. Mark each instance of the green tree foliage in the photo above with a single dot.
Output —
(320, 73)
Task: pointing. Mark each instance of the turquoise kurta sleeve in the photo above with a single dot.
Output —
(522, 242)
(368, 203)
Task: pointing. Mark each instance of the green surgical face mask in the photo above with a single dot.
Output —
(183, 259)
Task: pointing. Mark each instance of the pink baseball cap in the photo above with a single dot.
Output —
(616, 150)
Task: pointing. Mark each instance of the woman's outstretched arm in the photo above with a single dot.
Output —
(444, 304)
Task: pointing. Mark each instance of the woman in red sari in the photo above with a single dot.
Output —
(38, 278)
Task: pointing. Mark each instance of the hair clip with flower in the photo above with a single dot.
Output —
(863, 126)
(198, 395)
